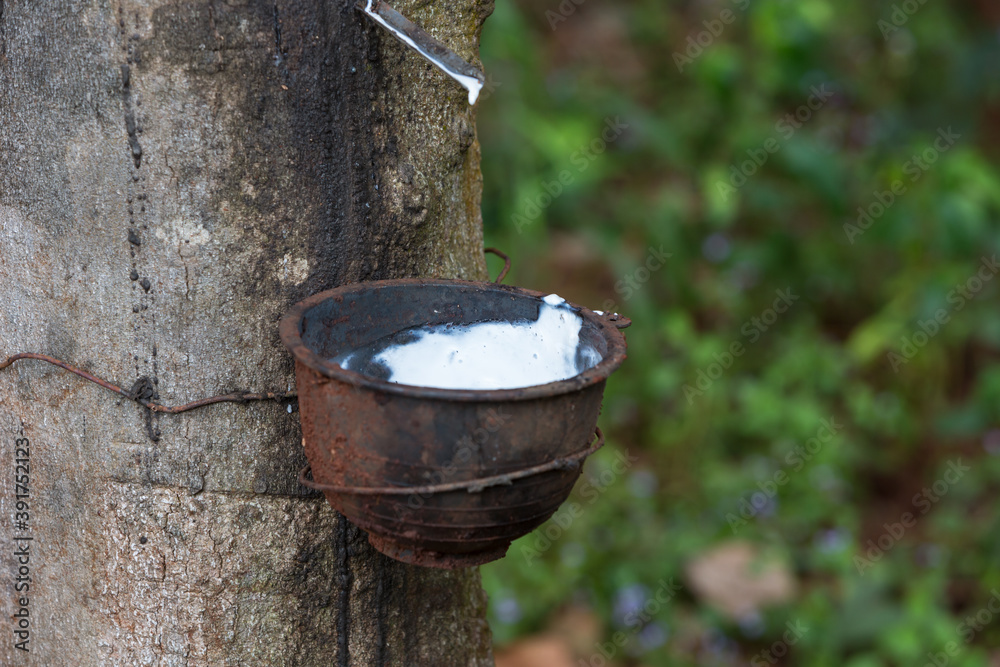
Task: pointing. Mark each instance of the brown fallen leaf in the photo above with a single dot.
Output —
(579, 626)
(537, 651)
(738, 579)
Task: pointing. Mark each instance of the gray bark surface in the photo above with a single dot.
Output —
(173, 176)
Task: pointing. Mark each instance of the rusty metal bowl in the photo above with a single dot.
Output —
(440, 477)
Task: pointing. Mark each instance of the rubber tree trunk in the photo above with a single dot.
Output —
(173, 176)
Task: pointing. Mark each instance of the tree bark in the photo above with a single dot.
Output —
(173, 176)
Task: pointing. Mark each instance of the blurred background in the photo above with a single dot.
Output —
(798, 204)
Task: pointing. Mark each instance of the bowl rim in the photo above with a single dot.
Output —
(292, 338)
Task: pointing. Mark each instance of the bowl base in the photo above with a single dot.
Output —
(424, 558)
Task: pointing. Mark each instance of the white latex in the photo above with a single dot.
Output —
(493, 355)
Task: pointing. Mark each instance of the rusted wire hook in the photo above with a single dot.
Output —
(506, 263)
(140, 395)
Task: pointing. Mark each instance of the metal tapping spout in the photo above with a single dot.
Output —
(418, 39)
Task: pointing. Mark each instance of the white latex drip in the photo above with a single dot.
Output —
(472, 84)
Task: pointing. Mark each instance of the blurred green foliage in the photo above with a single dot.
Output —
(748, 200)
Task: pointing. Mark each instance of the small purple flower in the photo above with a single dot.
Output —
(718, 646)
(652, 637)
(629, 602)
(831, 541)
(716, 248)
(508, 611)
(991, 442)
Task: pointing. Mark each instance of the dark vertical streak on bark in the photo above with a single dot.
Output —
(152, 430)
(130, 127)
(3, 41)
(380, 610)
(133, 202)
(409, 646)
(277, 34)
(154, 419)
(343, 593)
